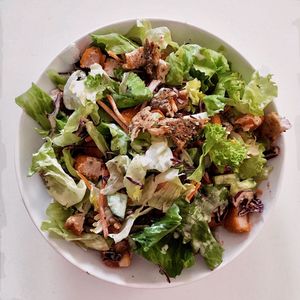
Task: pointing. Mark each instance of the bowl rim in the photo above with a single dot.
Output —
(176, 282)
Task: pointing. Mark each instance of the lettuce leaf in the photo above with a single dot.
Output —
(214, 104)
(69, 161)
(117, 168)
(164, 197)
(143, 30)
(195, 229)
(60, 185)
(254, 166)
(119, 139)
(234, 182)
(181, 62)
(132, 91)
(67, 136)
(170, 254)
(222, 151)
(37, 104)
(57, 216)
(117, 204)
(157, 157)
(57, 79)
(114, 42)
(153, 234)
(258, 93)
(193, 89)
(97, 137)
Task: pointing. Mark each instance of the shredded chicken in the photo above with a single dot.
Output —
(89, 166)
(148, 57)
(180, 130)
(75, 223)
(162, 70)
(249, 122)
(164, 100)
(169, 101)
(273, 125)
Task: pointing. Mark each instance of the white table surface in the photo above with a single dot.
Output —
(32, 32)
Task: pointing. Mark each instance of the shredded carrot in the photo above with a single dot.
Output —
(112, 114)
(216, 119)
(190, 196)
(102, 204)
(113, 55)
(87, 183)
(90, 56)
(115, 109)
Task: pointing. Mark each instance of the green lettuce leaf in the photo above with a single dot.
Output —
(37, 104)
(157, 157)
(258, 93)
(60, 185)
(69, 161)
(58, 80)
(181, 62)
(193, 89)
(119, 139)
(234, 182)
(132, 91)
(97, 137)
(57, 216)
(117, 204)
(214, 104)
(67, 135)
(153, 234)
(114, 42)
(143, 30)
(141, 143)
(117, 168)
(195, 229)
(254, 166)
(164, 197)
(170, 254)
(138, 32)
(222, 151)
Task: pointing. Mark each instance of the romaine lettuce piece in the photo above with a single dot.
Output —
(57, 79)
(114, 42)
(170, 254)
(153, 234)
(37, 104)
(60, 185)
(119, 139)
(117, 168)
(132, 91)
(193, 89)
(117, 204)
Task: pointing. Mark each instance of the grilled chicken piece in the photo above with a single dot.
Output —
(235, 223)
(249, 122)
(162, 70)
(135, 59)
(92, 55)
(273, 126)
(181, 130)
(148, 57)
(75, 223)
(89, 166)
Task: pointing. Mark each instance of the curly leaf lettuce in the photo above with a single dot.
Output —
(60, 185)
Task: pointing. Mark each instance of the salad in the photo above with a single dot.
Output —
(149, 146)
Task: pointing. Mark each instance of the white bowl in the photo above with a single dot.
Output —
(141, 274)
